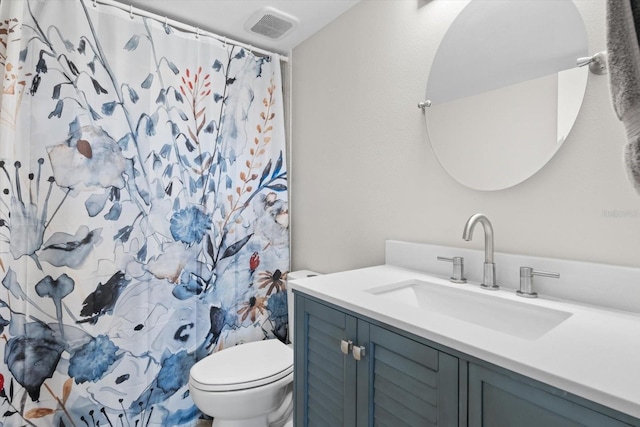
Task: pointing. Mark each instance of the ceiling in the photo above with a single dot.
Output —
(228, 17)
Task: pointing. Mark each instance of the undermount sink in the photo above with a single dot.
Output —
(510, 317)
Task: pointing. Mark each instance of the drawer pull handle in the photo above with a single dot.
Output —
(346, 346)
(359, 352)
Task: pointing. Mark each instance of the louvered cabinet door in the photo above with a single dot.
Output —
(402, 382)
(498, 399)
(325, 377)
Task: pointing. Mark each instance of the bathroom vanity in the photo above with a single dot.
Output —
(371, 350)
(417, 384)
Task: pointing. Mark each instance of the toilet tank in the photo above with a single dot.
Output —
(294, 275)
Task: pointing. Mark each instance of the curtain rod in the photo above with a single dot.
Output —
(186, 27)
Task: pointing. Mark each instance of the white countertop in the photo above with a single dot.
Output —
(594, 354)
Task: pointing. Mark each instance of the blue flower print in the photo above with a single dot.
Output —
(93, 359)
(174, 373)
(90, 158)
(39, 343)
(27, 228)
(278, 309)
(277, 306)
(189, 225)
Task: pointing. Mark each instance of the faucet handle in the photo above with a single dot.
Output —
(526, 281)
(458, 268)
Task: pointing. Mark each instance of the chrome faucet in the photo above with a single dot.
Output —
(489, 281)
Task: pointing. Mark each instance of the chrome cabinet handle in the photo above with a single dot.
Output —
(359, 352)
(346, 346)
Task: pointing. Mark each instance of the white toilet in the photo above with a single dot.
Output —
(238, 392)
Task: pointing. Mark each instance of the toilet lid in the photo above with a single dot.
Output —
(243, 366)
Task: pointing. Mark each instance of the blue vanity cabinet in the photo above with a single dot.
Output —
(404, 380)
(498, 398)
(397, 382)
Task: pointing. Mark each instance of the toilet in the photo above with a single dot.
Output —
(248, 385)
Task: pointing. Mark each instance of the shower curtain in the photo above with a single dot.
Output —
(143, 212)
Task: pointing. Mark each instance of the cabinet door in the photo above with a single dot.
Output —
(404, 383)
(496, 400)
(325, 378)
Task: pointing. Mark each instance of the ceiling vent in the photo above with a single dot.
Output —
(271, 23)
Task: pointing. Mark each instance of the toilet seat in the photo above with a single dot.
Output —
(243, 367)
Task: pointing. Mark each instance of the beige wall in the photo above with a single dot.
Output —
(363, 170)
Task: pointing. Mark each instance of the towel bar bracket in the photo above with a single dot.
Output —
(597, 63)
(424, 104)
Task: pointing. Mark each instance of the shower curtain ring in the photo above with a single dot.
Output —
(166, 22)
(131, 11)
(197, 32)
(94, 3)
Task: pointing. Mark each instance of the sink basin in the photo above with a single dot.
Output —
(510, 317)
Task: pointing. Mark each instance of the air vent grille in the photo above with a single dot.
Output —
(271, 26)
(271, 23)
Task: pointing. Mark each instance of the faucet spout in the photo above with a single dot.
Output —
(489, 281)
(488, 234)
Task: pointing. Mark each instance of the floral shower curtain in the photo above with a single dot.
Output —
(143, 212)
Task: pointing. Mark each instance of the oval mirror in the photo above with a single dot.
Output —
(505, 89)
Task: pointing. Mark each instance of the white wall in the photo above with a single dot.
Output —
(363, 170)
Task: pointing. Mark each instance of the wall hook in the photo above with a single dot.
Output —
(597, 63)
